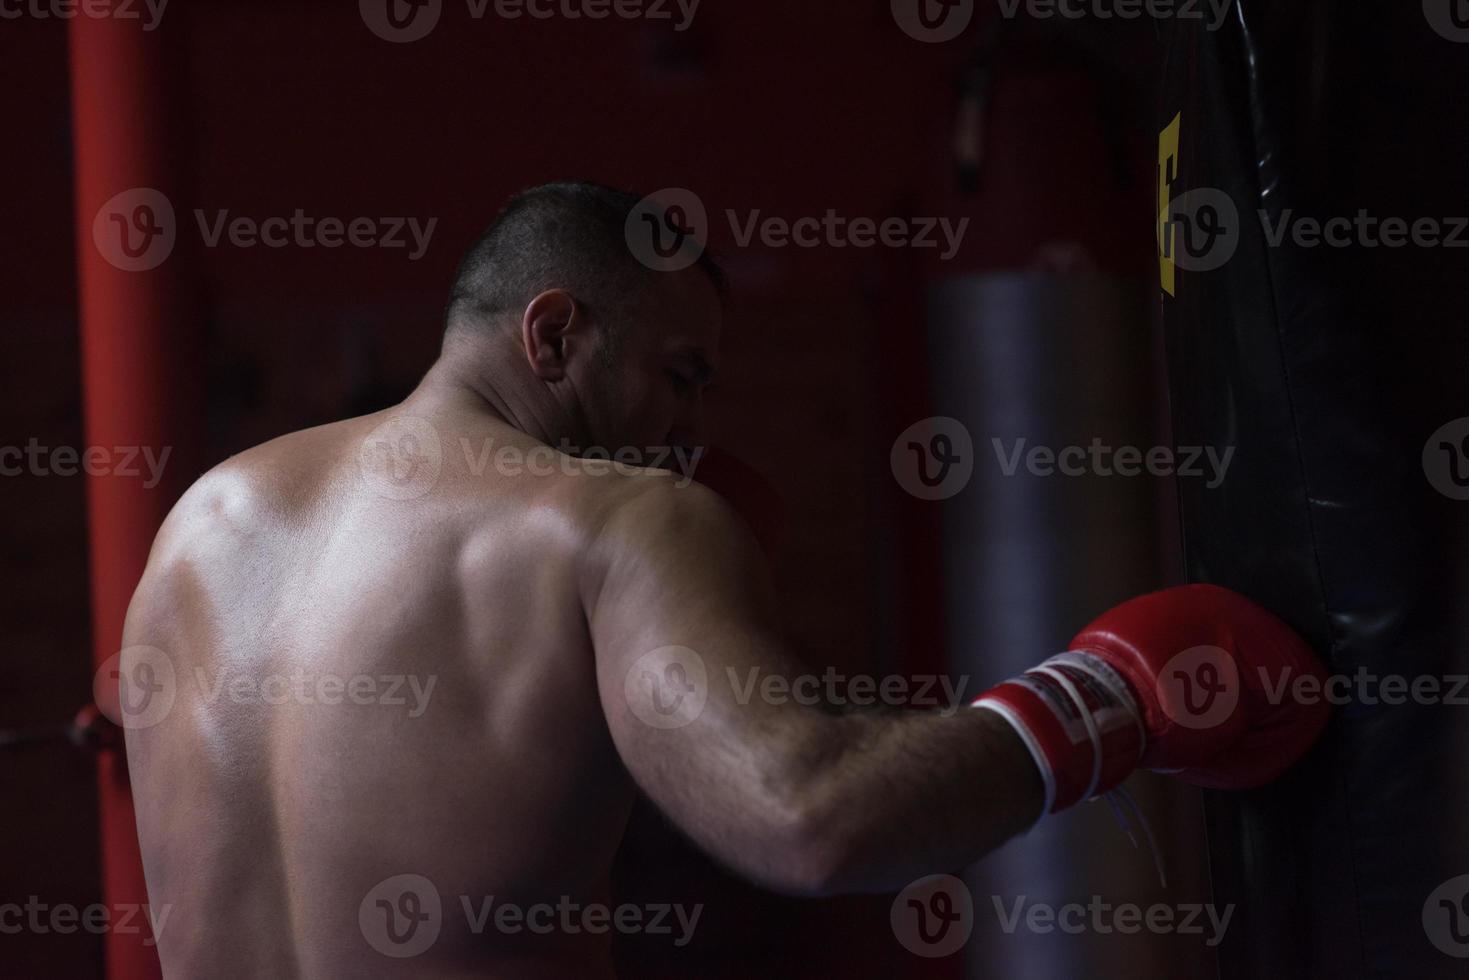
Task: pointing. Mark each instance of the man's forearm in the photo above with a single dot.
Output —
(897, 795)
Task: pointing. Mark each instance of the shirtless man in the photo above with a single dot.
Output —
(560, 634)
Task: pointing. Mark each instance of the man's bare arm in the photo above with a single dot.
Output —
(795, 797)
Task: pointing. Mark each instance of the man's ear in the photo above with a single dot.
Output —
(551, 323)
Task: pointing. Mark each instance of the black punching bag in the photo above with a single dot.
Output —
(1332, 360)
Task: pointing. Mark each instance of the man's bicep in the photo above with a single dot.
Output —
(683, 629)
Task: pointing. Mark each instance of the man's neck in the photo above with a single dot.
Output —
(459, 381)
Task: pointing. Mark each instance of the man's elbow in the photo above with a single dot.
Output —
(810, 856)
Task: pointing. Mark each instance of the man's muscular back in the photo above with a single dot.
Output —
(373, 682)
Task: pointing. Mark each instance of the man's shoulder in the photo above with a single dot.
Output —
(253, 490)
(645, 501)
(659, 518)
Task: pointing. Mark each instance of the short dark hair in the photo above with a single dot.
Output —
(569, 234)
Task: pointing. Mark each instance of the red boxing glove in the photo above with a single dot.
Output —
(1193, 681)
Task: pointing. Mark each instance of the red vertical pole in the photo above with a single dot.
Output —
(138, 378)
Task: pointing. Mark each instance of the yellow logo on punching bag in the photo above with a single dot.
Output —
(1167, 174)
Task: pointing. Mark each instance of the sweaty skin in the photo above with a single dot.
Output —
(274, 798)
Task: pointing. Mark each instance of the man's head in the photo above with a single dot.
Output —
(623, 351)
